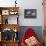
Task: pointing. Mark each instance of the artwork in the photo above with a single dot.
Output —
(30, 13)
(5, 12)
(13, 12)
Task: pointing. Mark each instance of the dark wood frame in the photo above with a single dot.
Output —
(32, 14)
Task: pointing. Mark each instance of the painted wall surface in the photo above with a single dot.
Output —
(32, 4)
(27, 4)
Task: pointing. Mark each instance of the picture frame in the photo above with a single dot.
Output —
(5, 12)
(30, 13)
(13, 12)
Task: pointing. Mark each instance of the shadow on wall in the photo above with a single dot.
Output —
(37, 29)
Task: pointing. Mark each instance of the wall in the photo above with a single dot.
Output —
(32, 4)
(27, 4)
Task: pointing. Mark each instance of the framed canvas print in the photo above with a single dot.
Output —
(30, 13)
